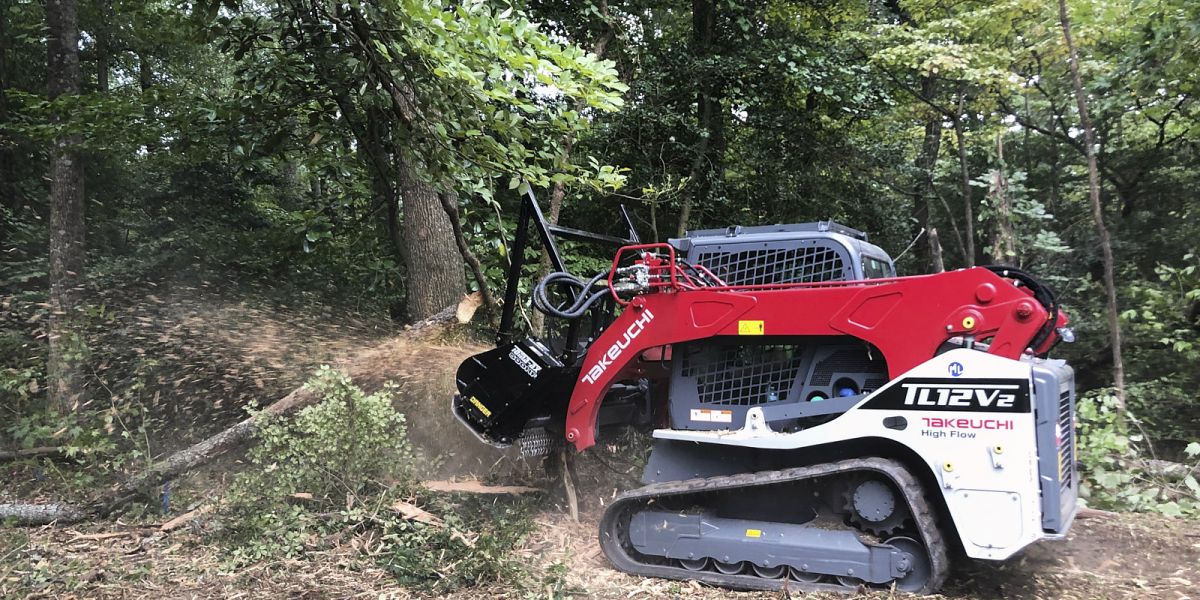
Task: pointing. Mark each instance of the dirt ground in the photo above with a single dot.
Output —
(1129, 556)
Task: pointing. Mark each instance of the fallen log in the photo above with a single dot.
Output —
(1167, 469)
(1094, 513)
(41, 514)
(44, 451)
(185, 460)
(198, 454)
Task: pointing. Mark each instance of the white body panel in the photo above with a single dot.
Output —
(986, 463)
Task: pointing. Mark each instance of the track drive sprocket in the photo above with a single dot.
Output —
(872, 505)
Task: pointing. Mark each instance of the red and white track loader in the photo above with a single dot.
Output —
(818, 422)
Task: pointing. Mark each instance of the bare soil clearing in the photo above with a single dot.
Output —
(1136, 556)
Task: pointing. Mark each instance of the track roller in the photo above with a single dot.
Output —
(775, 572)
(729, 568)
(920, 571)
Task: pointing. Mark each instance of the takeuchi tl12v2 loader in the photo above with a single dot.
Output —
(818, 422)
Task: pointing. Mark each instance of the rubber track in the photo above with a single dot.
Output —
(616, 546)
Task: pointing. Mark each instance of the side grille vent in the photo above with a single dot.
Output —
(1066, 440)
(743, 375)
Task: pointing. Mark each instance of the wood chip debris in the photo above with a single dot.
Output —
(416, 513)
(186, 518)
(475, 487)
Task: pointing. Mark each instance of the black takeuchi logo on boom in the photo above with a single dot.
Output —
(969, 395)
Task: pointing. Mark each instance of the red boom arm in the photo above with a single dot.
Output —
(906, 318)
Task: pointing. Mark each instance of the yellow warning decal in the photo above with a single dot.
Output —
(751, 328)
(754, 533)
(483, 409)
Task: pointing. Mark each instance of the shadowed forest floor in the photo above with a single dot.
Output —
(1127, 556)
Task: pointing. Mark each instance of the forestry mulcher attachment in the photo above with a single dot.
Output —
(818, 422)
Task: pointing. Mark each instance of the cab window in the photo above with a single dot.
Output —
(874, 268)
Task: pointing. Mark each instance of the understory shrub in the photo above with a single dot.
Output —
(342, 469)
(1114, 460)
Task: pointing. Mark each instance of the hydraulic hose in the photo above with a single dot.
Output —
(1041, 292)
(584, 299)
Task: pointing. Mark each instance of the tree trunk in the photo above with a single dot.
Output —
(926, 160)
(450, 206)
(1004, 239)
(1106, 251)
(435, 267)
(103, 60)
(965, 173)
(8, 199)
(709, 116)
(145, 83)
(1054, 175)
(935, 251)
(558, 192)
(65, 381)
(385, 195)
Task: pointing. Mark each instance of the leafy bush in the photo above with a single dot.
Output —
(1113, 462)
(1163, 349)
(348, 443)
(343, 467)
(332, 455)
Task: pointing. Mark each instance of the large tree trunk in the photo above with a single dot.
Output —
(435, 267)
(64, 378)
(1106, 251)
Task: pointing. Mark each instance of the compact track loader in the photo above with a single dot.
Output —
(818, 422)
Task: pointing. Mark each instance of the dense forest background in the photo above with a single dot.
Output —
(361, 165)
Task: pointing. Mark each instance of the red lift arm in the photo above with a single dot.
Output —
(906, 318)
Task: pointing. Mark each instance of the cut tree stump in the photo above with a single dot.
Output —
(566, 459)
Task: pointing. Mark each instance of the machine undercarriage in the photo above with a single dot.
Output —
(823, 527)
(820, 424)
